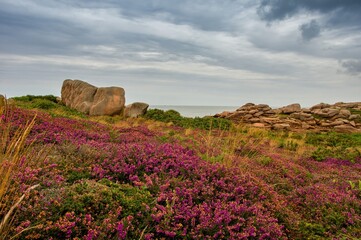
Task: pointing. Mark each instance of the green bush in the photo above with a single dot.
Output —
(206, 123)
(43, 104)
(335, 145)
(29, 98)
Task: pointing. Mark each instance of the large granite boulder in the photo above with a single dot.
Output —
(108, 101)
(78, 95)
(136, 109)
(91, 100)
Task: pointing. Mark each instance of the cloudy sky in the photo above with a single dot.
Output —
(189, 52)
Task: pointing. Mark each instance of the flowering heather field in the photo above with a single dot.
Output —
(105, 182)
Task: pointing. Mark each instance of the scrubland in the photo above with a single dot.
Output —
(67, 176)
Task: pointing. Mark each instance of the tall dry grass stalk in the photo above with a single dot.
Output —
(12, 149)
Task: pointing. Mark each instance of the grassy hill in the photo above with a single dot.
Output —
(67, 176)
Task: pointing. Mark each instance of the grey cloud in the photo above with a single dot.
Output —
(334, 13)
(271, 10)
(310, 30)
(352, 67)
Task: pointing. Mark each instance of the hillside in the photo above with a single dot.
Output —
(172, 178)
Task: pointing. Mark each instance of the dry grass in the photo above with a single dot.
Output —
(12, 151)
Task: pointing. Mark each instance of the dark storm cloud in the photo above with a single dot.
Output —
(310, 30)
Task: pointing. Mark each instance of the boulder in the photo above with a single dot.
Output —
(320, 106)
(78, 95)
(281, 126)
(223, 114)
(326, 112)
(292, 108)
(91, 100)
(108, 101)
(354, 116)
(302, 116)
(136, 109)
(345, 129)
(344, 113)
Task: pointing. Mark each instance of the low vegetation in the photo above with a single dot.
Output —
(172, 116)
(144, 179)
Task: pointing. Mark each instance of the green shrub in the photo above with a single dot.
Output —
(335, 145)
(43, 104)
(29, 98)
(206, 123)
(289, 145)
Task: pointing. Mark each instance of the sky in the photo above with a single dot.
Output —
(189, 52)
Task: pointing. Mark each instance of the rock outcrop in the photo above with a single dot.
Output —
(341, 117)
(91, 100)
(135, 109)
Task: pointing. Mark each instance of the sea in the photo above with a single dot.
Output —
(195, 111)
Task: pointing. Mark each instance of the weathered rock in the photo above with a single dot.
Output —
(344, 113)
(254, 120)
(247, 116)
(348, 105)
(253, 111)
(354, 116)
(311, 122)
(259, 125)
(91, 100)
(108, 101)
(260, 113)
(326, 112)
(235, 115)
(223, 114)
(136, 109)
(345, 129)
(336, 123)
(320, 106)
(269, 120)
(292, 108)
(78, 95)
(321, 117)
(302, 116)
(306, 110)
(281, 126)
(306, 126)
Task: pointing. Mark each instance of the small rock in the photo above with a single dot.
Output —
(352, 123)
(344, 113)
(254, 120)
(306, 110)
(336, 123)
(320, 106)
(136, 109)
(354, 116)
(253, 111)
(259, 125)
(281, 126)
(344, 129)
(301, 116)
(258, 114)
